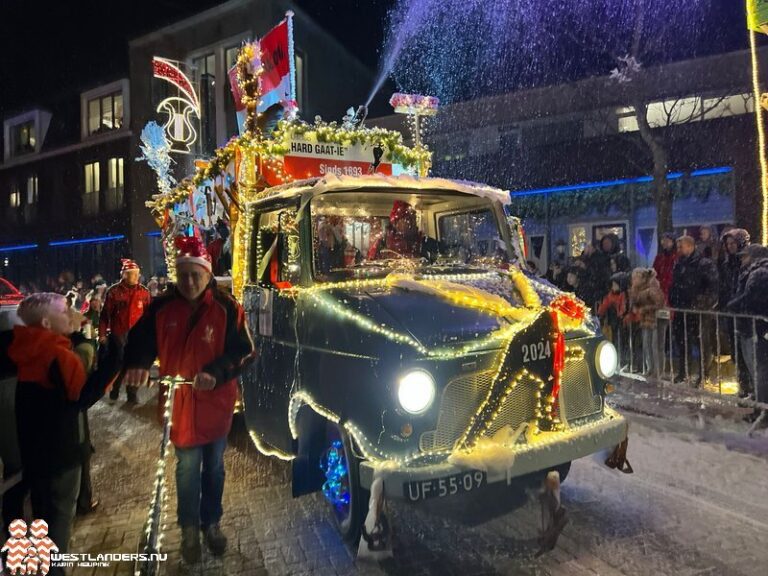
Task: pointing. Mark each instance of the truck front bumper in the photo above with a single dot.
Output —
(548, 451)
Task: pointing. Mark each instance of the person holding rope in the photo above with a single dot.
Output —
(199, 334)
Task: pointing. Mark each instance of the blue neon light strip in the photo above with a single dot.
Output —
(87, 240)
(17, 248)
(155, 233)
(620, 182)
(710, 171)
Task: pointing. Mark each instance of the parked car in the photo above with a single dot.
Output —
(9, 451)
(402, 338)
(10, 298)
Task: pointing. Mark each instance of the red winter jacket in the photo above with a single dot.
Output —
(123, 306)
(664, 264)
(615, 300)
(211, 338)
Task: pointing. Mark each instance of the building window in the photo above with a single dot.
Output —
(92, 188)
(23, 138)
(115, 173)
(114, 184)
(105, 113)
(15, 199)
(32, 189)
(230, 59)
(684, 110)
(205, 76)
(92, 180)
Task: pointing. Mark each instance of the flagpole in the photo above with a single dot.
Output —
(291, 56)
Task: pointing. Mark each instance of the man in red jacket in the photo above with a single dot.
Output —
(664, 263)
(198, 332)
(124, 303)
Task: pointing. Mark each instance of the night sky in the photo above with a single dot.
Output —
(50, 51)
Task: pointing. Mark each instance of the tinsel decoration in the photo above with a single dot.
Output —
(156, 151)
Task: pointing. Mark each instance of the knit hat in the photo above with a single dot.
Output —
(128, 264)
(191, 249)
(740, 235)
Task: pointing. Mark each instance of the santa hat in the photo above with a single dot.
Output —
(128, 264)
(191, 249)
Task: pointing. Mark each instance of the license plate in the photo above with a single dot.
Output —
(445, 486)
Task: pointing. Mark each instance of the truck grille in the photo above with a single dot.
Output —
(577, 396)
(518, 407)
(463, 395)
(460, 400)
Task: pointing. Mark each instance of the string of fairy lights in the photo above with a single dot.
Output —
(157, 514)
(254, 155)
(752, 24)
(565, 310)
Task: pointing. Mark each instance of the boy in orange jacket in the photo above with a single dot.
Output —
(51, 394)
(613, 308)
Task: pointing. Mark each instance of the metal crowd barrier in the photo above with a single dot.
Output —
(716, 352)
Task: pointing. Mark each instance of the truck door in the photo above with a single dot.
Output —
(274, 267)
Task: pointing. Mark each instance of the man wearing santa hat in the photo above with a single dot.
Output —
(124, 303)
(198, 332)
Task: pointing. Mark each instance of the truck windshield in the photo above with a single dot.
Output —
(370, 233)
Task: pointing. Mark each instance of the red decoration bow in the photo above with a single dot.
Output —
(569, 306)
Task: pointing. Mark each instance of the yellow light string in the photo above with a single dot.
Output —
(760, 134)
(159, 490)
(268, 449)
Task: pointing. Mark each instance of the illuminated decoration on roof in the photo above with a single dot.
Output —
(414, 104)
(251, 164)
(180, 109)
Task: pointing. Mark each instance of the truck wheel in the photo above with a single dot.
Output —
(347, 500)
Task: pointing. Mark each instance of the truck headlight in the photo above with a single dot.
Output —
(606, 359)
(416, 391)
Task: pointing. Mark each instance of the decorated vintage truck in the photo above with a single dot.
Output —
(404, 347)
(439, 367)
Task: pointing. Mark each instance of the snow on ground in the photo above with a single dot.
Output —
(693, 506)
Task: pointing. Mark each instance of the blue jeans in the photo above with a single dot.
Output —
(200, 483)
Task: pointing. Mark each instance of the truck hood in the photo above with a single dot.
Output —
(434, 321)
(417, 311)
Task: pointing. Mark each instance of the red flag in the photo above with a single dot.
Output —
(274, 57)
(277, 84)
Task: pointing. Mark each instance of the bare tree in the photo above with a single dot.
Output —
(658, 120)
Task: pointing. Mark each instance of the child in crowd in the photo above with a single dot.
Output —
(613, 308)
(646, 298)
(574, 281)
(51, 396)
